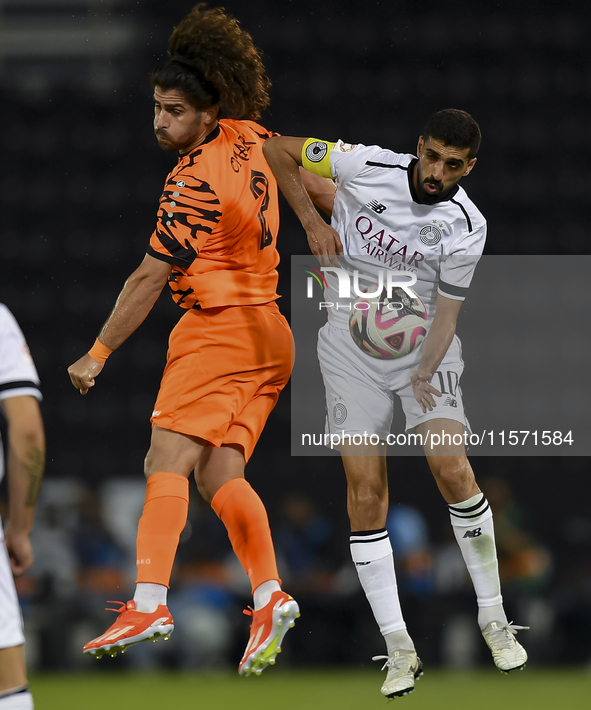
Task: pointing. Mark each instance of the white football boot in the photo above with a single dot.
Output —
(508, 654)
(404, 667)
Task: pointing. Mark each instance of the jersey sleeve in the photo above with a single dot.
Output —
(188, 212)
(348, 161)
(18, 375)
(338, 161)
(457, 268)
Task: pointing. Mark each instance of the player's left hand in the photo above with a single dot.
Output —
(423, 390)
(325, 244)
(19, 550)
(83, 372)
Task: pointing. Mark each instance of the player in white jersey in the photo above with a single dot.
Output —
(25, 460)
(408, 214)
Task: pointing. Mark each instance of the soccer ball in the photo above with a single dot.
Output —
(388, 328)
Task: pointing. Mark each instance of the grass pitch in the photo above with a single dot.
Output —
(346, 689)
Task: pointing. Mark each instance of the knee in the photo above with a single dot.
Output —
(205, 490)
(161, 458)
(149, 461)
(153, 462)
(455, 475)
(368, 499)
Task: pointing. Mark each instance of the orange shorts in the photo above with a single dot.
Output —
(224, 371)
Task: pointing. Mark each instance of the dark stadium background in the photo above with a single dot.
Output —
(80, 176)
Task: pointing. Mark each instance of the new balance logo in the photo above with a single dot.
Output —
(477, 532)
(450, 401)
(376, 206)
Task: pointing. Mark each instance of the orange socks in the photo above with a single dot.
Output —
(244, 515)
(165, 515)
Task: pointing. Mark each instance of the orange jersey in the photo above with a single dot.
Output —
(218, 220)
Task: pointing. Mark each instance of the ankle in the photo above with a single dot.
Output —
(399, 640)
(486, 614)
(262, 594)
(148, 597)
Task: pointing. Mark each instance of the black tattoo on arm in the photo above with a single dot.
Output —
(34, 466)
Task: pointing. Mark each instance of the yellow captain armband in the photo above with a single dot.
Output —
(316, 157)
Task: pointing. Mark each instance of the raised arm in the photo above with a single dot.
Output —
(284, 155)
(436, 343)
(25, 463)
(136, 300)
(320, 189)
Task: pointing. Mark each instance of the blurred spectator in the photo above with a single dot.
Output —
(101, 560)
(524, 564)
(303, 540)
(410, 543)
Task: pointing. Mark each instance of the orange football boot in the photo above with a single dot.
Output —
(269, 626)
(131, 627)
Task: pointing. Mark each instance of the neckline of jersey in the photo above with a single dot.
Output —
(446, 197)
(208, 139)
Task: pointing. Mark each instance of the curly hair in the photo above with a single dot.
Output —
(212, 60)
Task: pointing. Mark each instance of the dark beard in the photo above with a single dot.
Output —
(423, 196)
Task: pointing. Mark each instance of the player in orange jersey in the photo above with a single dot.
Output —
(230, 354)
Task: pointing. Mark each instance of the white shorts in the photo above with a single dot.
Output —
(11, 620)
(360, 389)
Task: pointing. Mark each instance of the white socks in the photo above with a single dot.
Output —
(372, 554)
(473, 527)
(148, 597)
(17, 700)
(262, 594)
(399, 640)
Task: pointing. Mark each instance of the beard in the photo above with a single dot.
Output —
(165, 142)
(437, 186)
(426, 197)
(422, 181)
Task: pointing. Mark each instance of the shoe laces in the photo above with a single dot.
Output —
(249, 611)
(121, 609)
(396, 661)
(503, 637)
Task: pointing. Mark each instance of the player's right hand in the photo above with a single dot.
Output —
(83, 372)
(20, 552)
(325, 244)
(423, 390)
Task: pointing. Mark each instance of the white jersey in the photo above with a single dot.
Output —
(384, 226)
(18, 376)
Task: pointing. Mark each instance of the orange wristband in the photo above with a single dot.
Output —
(99, 352)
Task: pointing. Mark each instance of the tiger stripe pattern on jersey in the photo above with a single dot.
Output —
(187, 205)
(218, 219)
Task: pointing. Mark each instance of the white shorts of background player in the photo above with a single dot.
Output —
(11, 621)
